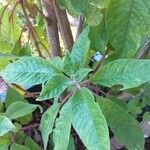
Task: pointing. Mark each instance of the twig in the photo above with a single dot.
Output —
(101, 61)
(29, 127)
(31, 28)
(66, 98)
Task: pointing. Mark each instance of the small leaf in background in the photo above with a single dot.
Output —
(47, 122)
(81, 48)
(54, 87)
(16, 146)
(81, 74)
(5, 125)
(63, 128)
(22, 139)
(19, 109)
(5, 139)
(89, 122)
(127, 72)
(122, 124)
(28, 71)
(146, 116)
(13, 96)
(91, 9)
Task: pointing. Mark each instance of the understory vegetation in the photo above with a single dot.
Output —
(74, 85)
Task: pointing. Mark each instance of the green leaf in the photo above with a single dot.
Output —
(91, 9)
(54, 87)
(19, 109)
(81, 48)
(99, 37)
(4, 147)
(16, 146)
(47, 122)
(69, 66)
(124, 127)
(81, 74)
(5, 125)
(63, 128)
(27, 141)
(89, 122)
(146, 116)
(127, 72)
(71, 145)
(28, 70)
(65, 4)
(12, 96)
(125, 21)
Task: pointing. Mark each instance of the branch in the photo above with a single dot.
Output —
(64, 26)
(29, 127)
(36, 43)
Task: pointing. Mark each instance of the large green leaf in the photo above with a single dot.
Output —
(127, 72)
(54, 87)
(47, 122)
(28, 71)
(80, 48)
(125, 21)
(19, 109)
(91, 9)
(5, 125)
(89, 122)
(63, 127)
(124, 127)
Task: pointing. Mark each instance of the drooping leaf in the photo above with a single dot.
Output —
(124, 127)
(19, 109)
(16, 146)
(47, 122)
(5, 125)
(63, 128)
(4, 147)
(54, 87)
(127, 72)
(125, 21)
(28, 70)
(89, 122)
(91, 9)
(99, 37)
(80, 48)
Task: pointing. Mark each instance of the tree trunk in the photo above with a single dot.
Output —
(51, 28)
(64, 26)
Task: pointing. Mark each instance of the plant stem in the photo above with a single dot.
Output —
(36, 43)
